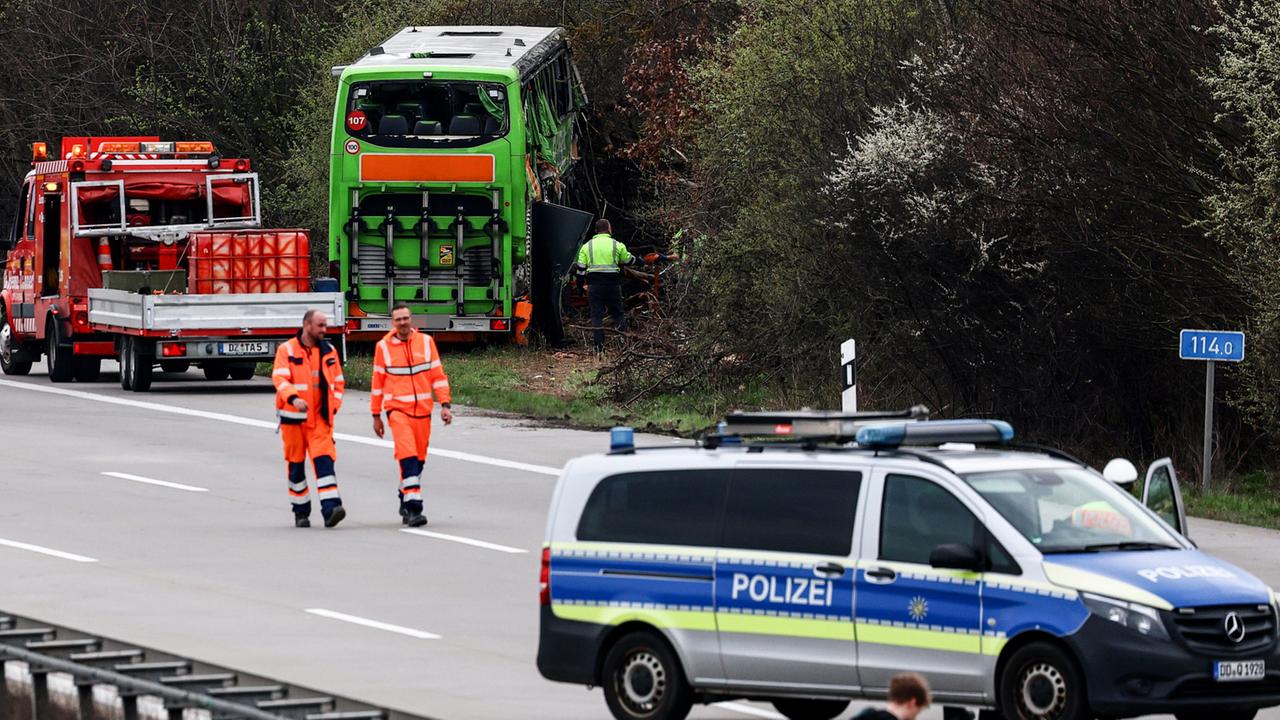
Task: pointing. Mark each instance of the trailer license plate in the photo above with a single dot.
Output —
(1233, 670)
(260, 347)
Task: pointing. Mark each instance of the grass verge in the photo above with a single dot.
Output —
(1248, 499)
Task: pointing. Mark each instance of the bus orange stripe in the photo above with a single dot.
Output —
(427, 168)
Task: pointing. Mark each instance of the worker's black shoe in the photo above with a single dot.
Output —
(335, 517)
(404, 516)
(301, 521)
(416, 520)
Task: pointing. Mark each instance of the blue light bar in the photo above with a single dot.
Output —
(934, 432)
(622, 440)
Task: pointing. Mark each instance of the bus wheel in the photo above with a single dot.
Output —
(1041, 682)
(58, 357)
(809, 708)
(643, 680)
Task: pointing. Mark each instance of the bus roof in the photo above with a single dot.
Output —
(488, 47)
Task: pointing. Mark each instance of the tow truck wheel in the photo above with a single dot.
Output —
(58, 357)
(8, 364)
(809, 709)
(1041, 682)
(643, 680)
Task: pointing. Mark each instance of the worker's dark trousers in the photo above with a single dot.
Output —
(604, 292)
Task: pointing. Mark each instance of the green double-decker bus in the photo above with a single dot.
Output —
(453, 149)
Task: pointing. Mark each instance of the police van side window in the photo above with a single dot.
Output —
(670, 507)
(785, 510)
(918, 515)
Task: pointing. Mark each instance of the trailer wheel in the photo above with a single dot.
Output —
(141, 363)
(216, 373)
(58, 357)
(88, 369)
(241, 372)
(135, 365)
(8, 353)
(126, 372)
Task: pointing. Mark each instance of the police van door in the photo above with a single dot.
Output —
(1161, 493)
(784, 577)
(910, 614)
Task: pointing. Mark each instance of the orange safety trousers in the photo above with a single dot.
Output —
(412, 435)
(314, 440)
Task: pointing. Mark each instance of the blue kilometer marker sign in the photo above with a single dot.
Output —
(1211, 345)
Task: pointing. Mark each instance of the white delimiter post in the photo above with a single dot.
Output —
(848, 377)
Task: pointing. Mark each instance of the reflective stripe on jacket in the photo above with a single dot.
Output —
(603, 254)
(407, 375)
(313, 374)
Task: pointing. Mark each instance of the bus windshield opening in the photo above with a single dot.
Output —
(426, 113)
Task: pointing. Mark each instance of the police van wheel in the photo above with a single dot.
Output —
(809, 708)
(643, 680)
(1041, 682)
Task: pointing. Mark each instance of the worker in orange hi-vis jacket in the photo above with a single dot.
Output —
(407, 377)
(309, 384)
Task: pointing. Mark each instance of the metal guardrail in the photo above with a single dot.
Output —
(179, 683)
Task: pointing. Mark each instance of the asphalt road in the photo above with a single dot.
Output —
(169, 524)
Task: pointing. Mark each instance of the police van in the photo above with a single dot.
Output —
(804, 559)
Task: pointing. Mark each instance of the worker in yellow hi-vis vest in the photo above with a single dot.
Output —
(602, 258)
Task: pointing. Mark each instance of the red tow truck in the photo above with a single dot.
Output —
(152, 253)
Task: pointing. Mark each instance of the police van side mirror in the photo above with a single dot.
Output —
(1121, 472)
(954, 556)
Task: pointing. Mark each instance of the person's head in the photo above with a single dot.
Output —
(908, 695)
(402, 320)
(314, 325)
(603, 226)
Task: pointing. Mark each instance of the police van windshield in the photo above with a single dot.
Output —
(426, 113)
(1063, 510)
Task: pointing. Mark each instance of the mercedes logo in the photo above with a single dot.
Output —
(1234, 627)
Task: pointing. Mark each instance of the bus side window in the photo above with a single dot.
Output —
(563, 93)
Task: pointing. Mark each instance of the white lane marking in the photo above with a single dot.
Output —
(251, 422)
(357, 620)
(748, 710)
(46, 551)
(161, 483)
(464, 540)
